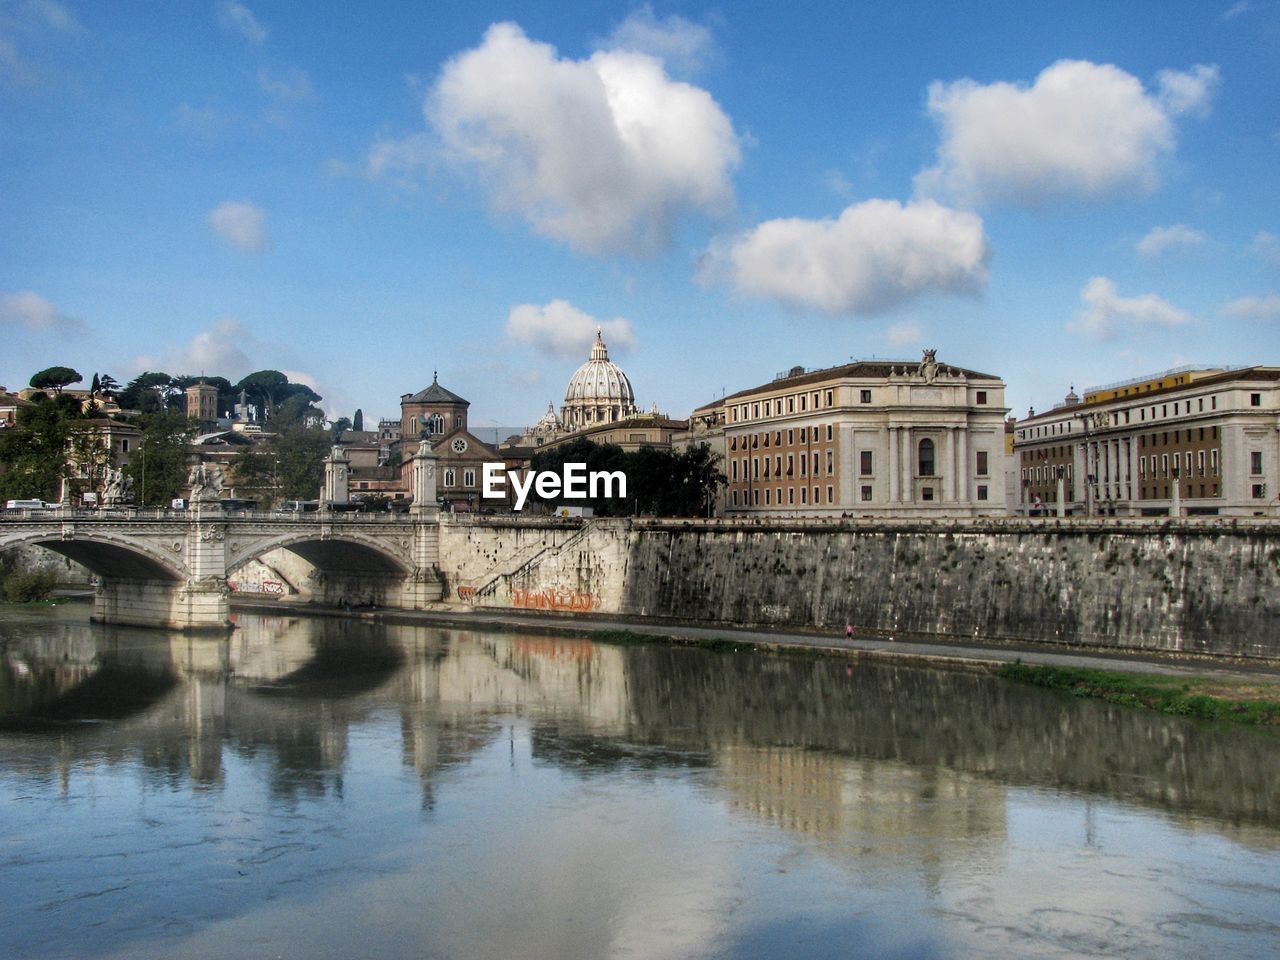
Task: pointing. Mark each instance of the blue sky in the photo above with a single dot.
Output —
(362, 194)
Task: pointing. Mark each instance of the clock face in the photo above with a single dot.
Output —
(459, 445)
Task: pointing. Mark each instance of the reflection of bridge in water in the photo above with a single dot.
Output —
(812, 746)
(170, 569)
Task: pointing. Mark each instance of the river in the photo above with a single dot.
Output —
(332, 788)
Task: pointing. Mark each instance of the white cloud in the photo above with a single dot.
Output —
(683, 46)
(25, 23)
(562, 330)
(238, 18)
(1267, 246)
(1082, 129)
(204, 121)
(1255, 308)
(403, 162)
(1160, 239)
(290, 86)
(1106, 311)
(876, 255)
(903, 334)
(603, 154)
(1236, 9)
(1188, 92)
(31, 311)
(218, 352)
(241, 224)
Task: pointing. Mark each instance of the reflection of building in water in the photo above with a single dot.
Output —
(922, 813)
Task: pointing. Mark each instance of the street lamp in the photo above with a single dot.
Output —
(1091, 422)
(1175, 510)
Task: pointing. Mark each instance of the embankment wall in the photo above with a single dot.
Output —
(1177, 586)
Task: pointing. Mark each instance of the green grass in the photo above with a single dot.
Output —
(1199, 697)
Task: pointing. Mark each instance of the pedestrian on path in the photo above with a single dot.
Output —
(848, 630)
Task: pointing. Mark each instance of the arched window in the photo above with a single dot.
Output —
(436, 424)
(926, 458)
(448, 478)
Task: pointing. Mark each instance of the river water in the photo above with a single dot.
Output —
(325, 788)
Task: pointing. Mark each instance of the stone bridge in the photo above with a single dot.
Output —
(170, 568)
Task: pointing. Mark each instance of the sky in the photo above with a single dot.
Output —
(360, 195)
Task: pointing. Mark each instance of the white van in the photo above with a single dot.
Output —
(26, 505)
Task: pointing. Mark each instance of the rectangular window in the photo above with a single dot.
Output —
(804, 465)
(982, 463)
(816, 494)
(815, 434)
(1255, 462)
(124, 445)
(791, 496)
(831, 494)
(1164, 465)
(791, 404)
(735, 471)
(735, 498)
(830, 398)
(1213, 462)
(1142, 468)
(831, 460)
(755, 411)
(866, 396)
(791, 464)
(865, 461)
(791, 437)
(982, 492)
(829, 433)
(1255, 399)
(767, 496)
(1259, 491)
(777, 465)
(926, 493)
(866, 493)
(982, 396)
(802, 404)
(804, 494)
(755, 495)
(1200, 462)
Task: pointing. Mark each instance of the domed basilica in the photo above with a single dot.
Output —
(599, 392)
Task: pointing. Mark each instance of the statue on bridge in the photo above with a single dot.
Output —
(206, 483)
(118, 488)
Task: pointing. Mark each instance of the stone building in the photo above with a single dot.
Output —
(441, 416)
(1190, 441)
(869, 438)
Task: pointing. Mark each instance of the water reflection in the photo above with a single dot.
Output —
(695, 803)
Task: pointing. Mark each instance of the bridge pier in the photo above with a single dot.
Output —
(194, 605)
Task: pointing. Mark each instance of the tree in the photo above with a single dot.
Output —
(288, 465)
(357, 422)
(148, 392)
(159, 468)
(339, 427)
(108, 386)
(56, 378)
(34, 452)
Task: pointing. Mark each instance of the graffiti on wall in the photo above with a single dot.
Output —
(554, 598)
(467, 593)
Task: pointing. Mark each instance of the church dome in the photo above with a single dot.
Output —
(599, 392)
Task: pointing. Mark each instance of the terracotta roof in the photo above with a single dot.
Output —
(436, 394)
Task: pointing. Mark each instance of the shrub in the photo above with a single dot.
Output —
(23, 587)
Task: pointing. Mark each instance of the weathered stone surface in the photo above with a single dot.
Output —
(1170, 586)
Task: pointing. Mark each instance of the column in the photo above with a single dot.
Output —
(966, 467)
(895, 477)
(904, 462)
(949, 465)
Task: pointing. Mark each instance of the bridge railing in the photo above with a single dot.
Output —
(166, 513)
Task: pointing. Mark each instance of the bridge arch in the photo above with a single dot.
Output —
(109, 556)
(345, 553)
